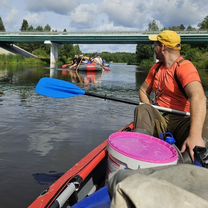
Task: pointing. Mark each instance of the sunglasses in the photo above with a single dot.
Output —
(155, 44)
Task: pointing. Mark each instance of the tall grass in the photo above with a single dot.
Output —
(18, 60)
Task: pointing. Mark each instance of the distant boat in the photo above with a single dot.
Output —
(89, 67)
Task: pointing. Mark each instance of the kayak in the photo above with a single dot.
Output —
(89, 67)
(84, 185)
(84, 179)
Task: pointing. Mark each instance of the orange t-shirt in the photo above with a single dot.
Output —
(166, 89)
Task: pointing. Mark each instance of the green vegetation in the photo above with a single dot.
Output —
(2, 28)
(18, 60)
(26, 27)
(198, 54)
(117, 57)
(67, 53)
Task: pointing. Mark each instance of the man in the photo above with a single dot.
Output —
(176, 85)
(98, 60)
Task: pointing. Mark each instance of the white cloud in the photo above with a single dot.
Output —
(11, 20)
(59, 22)
(56, 6)
(109, 26)
(106, 14)
(84, 16)
(138, 13)
(34, 19)
(5, 4)
(103, 15)
(178, 12)
(125, 13)
(4, 8)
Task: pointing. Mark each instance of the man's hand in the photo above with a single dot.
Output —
(190, 143)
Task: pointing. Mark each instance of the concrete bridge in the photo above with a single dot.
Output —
(56, 39)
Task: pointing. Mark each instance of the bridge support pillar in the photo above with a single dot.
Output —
(53, 53)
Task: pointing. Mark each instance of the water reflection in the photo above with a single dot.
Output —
(22, 75)
(47, 178)
(140, 77)
(53, 72)
(86, 79)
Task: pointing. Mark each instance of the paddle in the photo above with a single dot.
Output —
(78, 64)
(66, 65)
(99, 64)
(56, 88)
(103, 67)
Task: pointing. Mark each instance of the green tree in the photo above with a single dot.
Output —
(182, 27)
(153, 26)
(76, 50)
(204, 24)
(24, 26)
(30, 28)
(190, 28)
(68, 51)
(2, 28)
(39, 28)
(118, 57)
(177, 28)
(144, 51)
(47, 28)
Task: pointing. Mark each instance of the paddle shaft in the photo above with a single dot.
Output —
(78, 64)
(169, 110)
(103, 67)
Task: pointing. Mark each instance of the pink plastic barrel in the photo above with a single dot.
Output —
(135, 150)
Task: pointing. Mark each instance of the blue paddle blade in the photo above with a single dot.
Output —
(56, 88)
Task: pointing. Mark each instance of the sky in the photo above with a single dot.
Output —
(102, 15)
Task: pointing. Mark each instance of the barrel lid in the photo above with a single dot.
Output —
(142, 147)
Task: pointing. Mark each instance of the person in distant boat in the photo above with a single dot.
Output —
(105, 63)
(98, 60)
(176, 84)
(80, 59)
(76, 61)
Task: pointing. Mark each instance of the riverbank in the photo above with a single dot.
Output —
(10, 59)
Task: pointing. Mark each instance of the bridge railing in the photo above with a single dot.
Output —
(99, 33)
(104, 37)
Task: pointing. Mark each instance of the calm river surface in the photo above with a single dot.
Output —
(41, 136)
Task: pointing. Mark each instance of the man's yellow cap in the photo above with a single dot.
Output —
(169, 38)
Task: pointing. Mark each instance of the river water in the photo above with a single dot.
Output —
(42, 138)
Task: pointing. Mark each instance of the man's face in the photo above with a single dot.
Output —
(158, 50)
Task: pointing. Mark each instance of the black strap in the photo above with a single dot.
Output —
(177, 80)
(159, 64)
(175, 76)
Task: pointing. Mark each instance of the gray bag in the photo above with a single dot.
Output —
(184, 186)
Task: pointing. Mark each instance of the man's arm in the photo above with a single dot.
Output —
(144, 93)
(197, 99)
